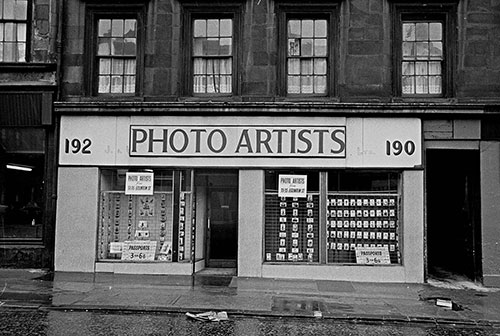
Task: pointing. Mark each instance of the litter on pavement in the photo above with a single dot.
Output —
(210, 316)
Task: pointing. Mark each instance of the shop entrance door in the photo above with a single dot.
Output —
(453, 213)
(222, 226)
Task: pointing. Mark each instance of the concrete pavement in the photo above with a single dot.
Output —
(342, 300)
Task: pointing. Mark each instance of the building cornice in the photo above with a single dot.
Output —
(277, 108)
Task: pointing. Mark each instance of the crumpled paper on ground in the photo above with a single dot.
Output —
(210, 316)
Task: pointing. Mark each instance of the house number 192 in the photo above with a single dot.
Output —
(397, 147)
(76, 146)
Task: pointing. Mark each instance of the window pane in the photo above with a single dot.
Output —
(294, 28)
(21, 52)
(408, 85)
(130, 67)
(434, 68)
(116, 84)
(320, 28)
(104, 66)
(320, 66)
(8, 10)
(307, 84)
(198, 45)
(422, 49)
(435, 31)
(104, 47)
(226, 66)
(1, 52)
(117, 28)
(226, 46)
(8, 52)
(104, 28)
(21, 32)
(117, 46)
(2, 25)
(226, 27)
(104, 84)
(117, 67)
(225, 84)
(200, 28)
(129, 47)
(436, 49)
(307, 47)
(212, 28)
(211, 47)
(320, 47)
(293, 66)
(408, 32)
(199, 66)
(129, 85)
(421, 68)
(422, 32)
(435, 86)
(293, 84)
(408, 68)
(199, 84)
(307, 28)
(294, 47)
(306, 67)
(319, 84)
(422, 84)
(408, 49)
(130, 28)
(21, 10)
(10, 33)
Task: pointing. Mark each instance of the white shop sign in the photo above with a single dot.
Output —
(240, 142)
(139, 250)
(292, 185)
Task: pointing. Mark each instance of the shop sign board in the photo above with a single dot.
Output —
(139, 184)
(183, 141)
(238, 141)
(372, 255)
(292, 186)
(139, 250)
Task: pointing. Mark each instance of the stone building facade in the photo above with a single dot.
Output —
(348, 140)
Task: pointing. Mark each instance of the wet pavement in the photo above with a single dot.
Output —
(95, 323)
(334, 301)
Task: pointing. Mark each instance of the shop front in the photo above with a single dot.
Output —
(316, 198)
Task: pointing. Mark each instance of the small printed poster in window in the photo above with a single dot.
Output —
(292, 186)
(372, 255)
(139, 184)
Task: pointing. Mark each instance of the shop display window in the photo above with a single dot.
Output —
(146, 228)
(292, 223)
(361, 224)
(22, 201)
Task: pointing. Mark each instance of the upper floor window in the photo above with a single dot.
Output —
(116, 55)
(306, 50)
(307, 56)
(212, 55)
(211, 34)
(423, 60)
(13, 30)
(114, 35)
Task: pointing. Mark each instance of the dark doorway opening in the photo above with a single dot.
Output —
(222, 218)
(453, 213)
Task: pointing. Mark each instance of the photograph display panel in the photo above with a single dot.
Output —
(292, 229)
(362, 221)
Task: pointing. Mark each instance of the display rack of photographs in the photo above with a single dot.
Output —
(135, 217)
(362, 220)
(186, 218)
(292, 229)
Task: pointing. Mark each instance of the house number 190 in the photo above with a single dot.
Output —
(397, 147)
